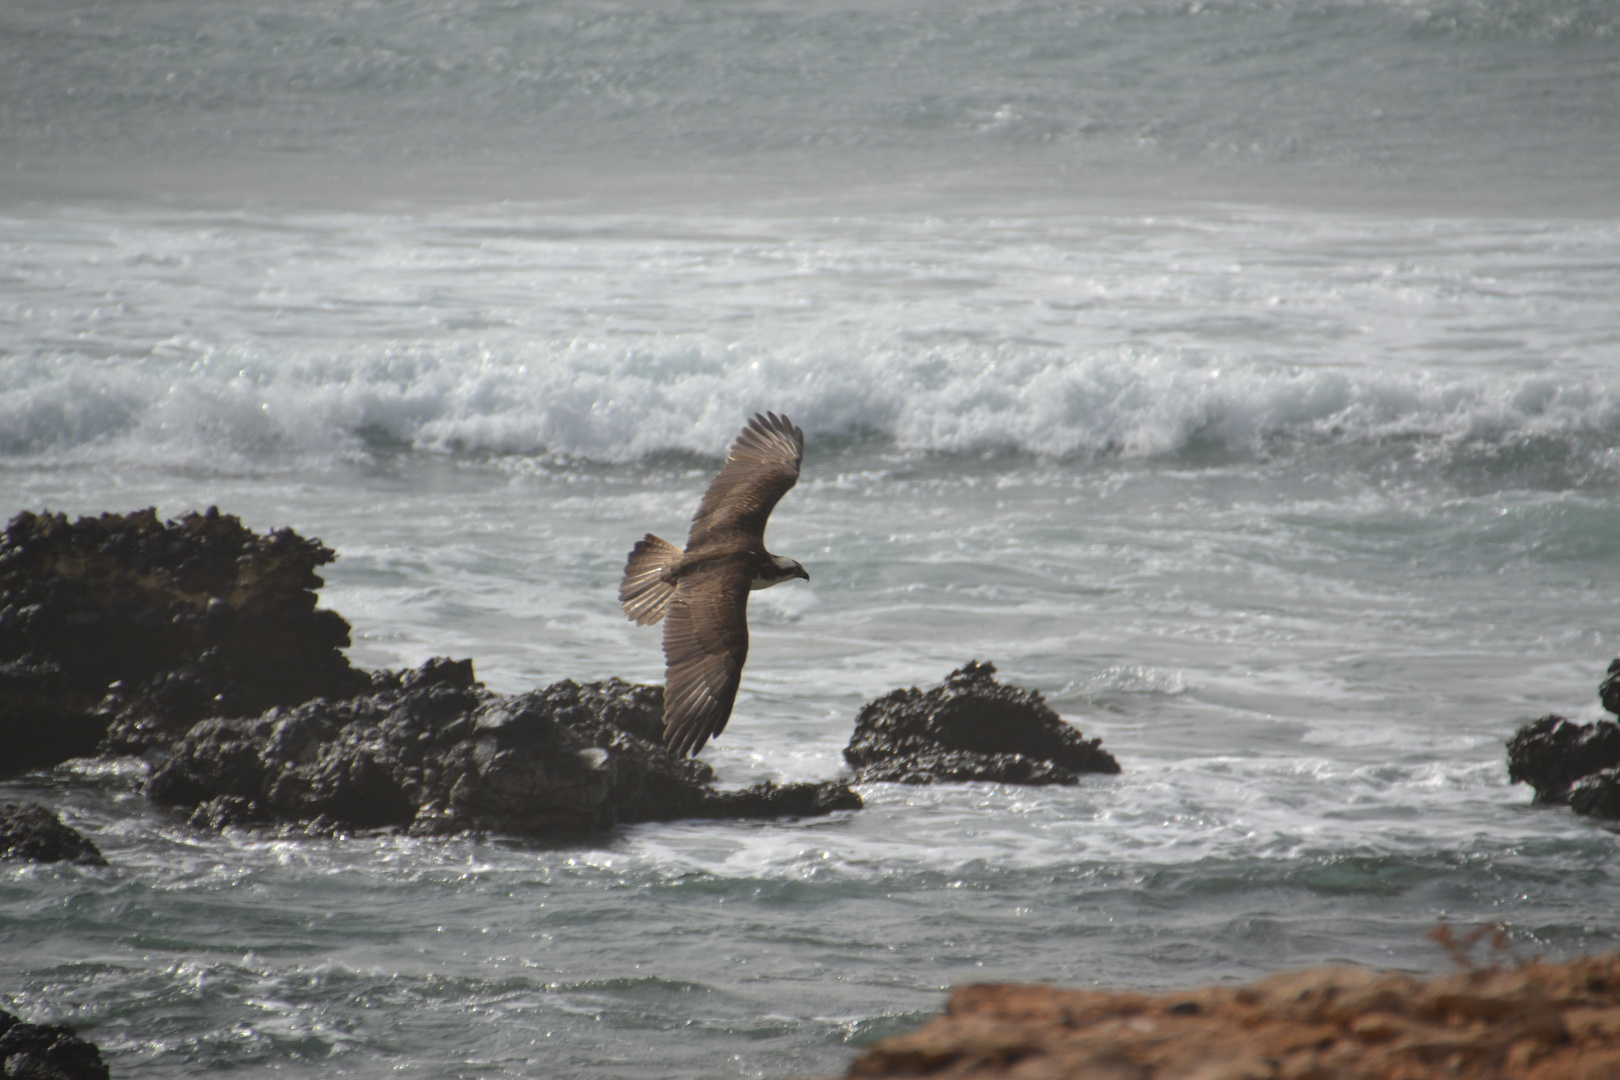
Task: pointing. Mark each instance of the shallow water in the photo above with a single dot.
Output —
(1258, 404)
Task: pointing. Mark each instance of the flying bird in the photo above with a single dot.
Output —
(701, 593)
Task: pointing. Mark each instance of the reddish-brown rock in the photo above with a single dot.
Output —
(1541, 1021)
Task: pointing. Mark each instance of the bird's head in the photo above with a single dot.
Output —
(782, 570)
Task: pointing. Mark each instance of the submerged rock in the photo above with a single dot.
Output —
(767, 799)
(433, 751)
(1547, 1021)
(1552, 753)
(46, 1052)
(33, 834)
(970, 727)
(121, 631)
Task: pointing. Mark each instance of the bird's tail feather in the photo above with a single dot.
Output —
(644, 594)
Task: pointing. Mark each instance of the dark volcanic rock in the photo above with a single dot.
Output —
(46, 1052)
(970, 727)
(1552, 753)
(434, 751)
(1609, 689)
(769, 800)
(1598, 796)
(201, 639)
(44, 717)
(122, 631)
(33, 834)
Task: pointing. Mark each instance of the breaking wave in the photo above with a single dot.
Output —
(316, 340)
(611, 403)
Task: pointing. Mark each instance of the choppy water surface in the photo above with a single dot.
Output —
(1300, 510)
(1450, 103)
(1305, 652)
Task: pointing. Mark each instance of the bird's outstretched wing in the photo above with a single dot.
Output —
(762, 466)
(705, 644)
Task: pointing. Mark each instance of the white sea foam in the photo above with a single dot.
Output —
(1127, 337)
(1123, 679)
(603, 403)
(1242, 496)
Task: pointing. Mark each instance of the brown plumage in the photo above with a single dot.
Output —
(702, 593)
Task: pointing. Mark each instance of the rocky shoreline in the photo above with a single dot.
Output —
(198, 645)
(1536, 1020)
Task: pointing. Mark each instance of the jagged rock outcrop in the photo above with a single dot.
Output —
(1578, 764)
(1540, 1021)
(119, 632)
(432, 750)
(198, 642)
(1552, 753)
(46, 1052)
(970, 727)
(1609, 689)
(33, 834)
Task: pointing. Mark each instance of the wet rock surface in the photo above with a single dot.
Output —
(1552, 753)
(32, 833)
(970, 727)
(1543, 1021)
(1609, 689)
(431, 750)
(1598, 796)
(46, 1052)
(118, 632)
(1578, 764)
(197, 642)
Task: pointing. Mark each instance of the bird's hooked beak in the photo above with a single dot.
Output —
(800, 571)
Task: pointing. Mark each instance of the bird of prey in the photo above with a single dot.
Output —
(702, 593)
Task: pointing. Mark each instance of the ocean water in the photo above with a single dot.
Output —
(1243, 376)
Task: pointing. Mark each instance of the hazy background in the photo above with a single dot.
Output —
(1451, 105)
